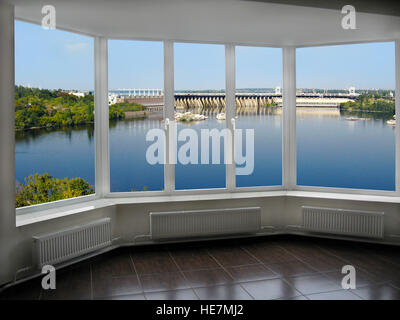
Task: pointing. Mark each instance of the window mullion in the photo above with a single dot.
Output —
(169, 99)
(230, 111)
(289, 118)
(397, 112)
(101, 117)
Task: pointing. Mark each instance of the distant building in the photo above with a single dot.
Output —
(352, 91)
(278, 90)
(112, 99)
(77, 93)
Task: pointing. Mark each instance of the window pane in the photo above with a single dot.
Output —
(199, 83)
(258, 78)
(345, 138)
(54, 142)
(136, 104)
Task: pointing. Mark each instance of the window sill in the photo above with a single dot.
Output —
(53, 213)
(36, 216)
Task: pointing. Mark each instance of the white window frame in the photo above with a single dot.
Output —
(289, 164)
(372, 192)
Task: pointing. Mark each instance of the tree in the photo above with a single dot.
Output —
(45, 188)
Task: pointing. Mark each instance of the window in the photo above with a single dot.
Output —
(259, 113)
(199, 109)
(345, 109)
(136, 111)
(54, 142)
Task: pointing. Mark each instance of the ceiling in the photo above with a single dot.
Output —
(387, 7)
(223, 21)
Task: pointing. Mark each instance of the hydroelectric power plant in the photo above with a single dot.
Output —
(214, 102)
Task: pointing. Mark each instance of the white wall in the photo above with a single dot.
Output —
(133, 219)
(7, 158)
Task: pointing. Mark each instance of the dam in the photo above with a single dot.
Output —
(246, 103)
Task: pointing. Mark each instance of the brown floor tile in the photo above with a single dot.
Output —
(378, 292)
(291, 268)
(116, 263)
(153, 262)
(211, 277)
(381, 271)
(270, 289)
(271, 267)
(115, 286)
(269, 253)
(294, 298)
(327, 264)
(224, 292)
(72, 283)
(362, 278)
(306, 251)
(137, 296)
(29, 290)
(387, 253)
(316, 283)
(163, 281)
(193, 259)
(185, 294)
(251, 273)
(334, 295)
(232, 256)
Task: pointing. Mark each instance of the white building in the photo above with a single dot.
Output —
(112, 99)
(77, 93)
(352, 91)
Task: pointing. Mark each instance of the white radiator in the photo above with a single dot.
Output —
(69, 243)
(341, 221)
(200, 223)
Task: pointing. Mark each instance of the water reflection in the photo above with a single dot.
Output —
(331, 151)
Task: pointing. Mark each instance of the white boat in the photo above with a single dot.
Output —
(392, 122)
(220, 116)
(188, 116)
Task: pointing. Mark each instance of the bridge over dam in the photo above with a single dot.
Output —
(211, 103)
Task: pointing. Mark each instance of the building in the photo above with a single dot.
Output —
(77, 94)
(112, 99)
(300, 236)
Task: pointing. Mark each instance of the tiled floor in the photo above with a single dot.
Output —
(275, 267)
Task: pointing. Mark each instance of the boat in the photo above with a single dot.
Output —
(220, 116)
(392, 122)
(188, 116)
(351, 119)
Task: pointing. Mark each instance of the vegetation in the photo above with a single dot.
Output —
(370, 103)
(45, 188)
(42, 108)
(128, 106)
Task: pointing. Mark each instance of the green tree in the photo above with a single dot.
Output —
(45, 188)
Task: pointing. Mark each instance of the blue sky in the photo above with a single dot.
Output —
(57, 59)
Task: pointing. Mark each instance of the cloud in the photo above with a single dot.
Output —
(76, 47)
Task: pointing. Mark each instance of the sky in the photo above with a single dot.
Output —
(55, 59)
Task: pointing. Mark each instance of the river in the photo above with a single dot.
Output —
(332, 151)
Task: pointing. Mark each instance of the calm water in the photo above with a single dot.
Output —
(331, 151)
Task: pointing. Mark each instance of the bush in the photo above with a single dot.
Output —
(45, 188)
